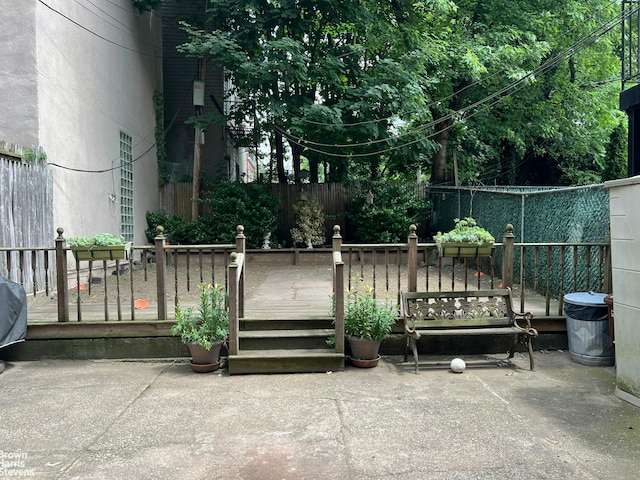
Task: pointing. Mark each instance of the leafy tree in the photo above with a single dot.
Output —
(322, 73)
(519, 91)
(615, 164)
(550, 129)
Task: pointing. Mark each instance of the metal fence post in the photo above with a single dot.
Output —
(161, 273)
(507, 257)
(62, 282)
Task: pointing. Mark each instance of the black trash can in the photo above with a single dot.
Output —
(587, 317)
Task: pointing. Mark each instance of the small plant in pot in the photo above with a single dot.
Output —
(366, 322)
(204, 330)
(467, 239)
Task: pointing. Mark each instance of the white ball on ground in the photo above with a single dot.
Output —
(458, 365)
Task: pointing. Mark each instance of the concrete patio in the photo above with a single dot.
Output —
(157, 419)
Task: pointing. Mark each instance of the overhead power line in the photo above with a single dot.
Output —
(96, 34)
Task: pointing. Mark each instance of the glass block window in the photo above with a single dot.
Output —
(126, 187)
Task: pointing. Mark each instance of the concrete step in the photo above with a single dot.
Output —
(285, 339)
(285, 361)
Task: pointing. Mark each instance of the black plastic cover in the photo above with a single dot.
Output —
(13, 312)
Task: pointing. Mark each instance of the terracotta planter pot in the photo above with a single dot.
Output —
(364, 348)
(203, 360)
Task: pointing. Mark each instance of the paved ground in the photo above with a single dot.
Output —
(159, 420)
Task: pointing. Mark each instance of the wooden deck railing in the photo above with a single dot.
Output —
(539, 273)
(178, 269)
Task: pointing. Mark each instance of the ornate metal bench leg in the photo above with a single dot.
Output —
(415, 352)
(530, 349)
(512, 349)
(406, 349)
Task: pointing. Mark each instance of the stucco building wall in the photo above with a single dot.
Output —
(74, 75)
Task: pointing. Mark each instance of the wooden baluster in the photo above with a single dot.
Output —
(34, 272)
(118, 302)
(106, 293)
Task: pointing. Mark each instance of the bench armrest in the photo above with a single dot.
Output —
(526, 318)
(410, 325)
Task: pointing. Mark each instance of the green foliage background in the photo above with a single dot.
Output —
(387, 219)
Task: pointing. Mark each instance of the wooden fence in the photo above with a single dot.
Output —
(335, 198)
(26, 219)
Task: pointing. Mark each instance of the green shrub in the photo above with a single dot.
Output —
(309, 229)
(248, 204)
(387, 218)
(177, 228)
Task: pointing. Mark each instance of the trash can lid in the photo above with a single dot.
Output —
(585, 298)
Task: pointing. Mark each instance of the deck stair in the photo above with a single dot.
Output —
(285, 346)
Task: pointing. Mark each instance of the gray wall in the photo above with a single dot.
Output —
(18, 72)
(74, 76)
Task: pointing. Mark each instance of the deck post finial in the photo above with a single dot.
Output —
(337, 239)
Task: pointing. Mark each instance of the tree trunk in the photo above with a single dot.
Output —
(296, 152)
(439, 167)
(314, 176)
(282, 176)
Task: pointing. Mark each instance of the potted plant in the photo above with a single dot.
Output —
(467, 239)
(102, 246)
(366, 322)
(309, 222)
(204, 330)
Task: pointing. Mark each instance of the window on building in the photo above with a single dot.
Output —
(126, 188)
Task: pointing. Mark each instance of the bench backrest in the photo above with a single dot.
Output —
(468, 309)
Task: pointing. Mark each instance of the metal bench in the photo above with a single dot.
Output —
(477, 312)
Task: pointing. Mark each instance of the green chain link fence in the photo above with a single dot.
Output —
(538, 215)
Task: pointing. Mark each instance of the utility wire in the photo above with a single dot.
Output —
(96, 34)
(128, 30)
